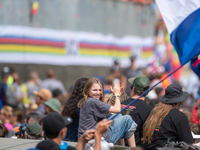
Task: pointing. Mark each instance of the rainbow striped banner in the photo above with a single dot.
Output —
(19, 44)
(44, 46)
(102, 49)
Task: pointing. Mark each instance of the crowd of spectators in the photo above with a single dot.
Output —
(43, 109)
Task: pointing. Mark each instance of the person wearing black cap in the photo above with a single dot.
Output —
(54, 126)
(166, 121)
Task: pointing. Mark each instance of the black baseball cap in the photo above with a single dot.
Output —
(54, 122)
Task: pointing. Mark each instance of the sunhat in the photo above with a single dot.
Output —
(174, 94)
(54, 104)
(44, 93)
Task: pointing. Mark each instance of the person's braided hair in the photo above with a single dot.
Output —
(70, 107)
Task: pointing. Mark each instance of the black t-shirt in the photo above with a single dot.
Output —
(71, 148)
(174, 126)
(139, 111)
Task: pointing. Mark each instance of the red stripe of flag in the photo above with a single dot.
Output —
(101, 46)
(31, 42)
(146, 49)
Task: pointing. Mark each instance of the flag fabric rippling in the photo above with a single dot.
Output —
(182, 18)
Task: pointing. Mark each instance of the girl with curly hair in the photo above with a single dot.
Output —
(71, 110)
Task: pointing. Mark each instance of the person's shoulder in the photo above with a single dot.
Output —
(71, 148)
(143, 104)
(176, 112)
(147, 105)
(96, 103)
(92, 101)
(177, 115)
(45, 83)
(89, 100)
(45, 80)
(58, 81)
(127, 101)
(143, 109)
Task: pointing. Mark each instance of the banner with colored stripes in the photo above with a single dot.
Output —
(60, 47)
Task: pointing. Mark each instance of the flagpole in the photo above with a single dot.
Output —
(148, 90)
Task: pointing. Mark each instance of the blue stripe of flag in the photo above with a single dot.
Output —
(186, 37)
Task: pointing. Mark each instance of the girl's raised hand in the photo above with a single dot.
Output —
(116, 89)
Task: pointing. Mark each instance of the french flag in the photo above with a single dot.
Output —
(182, 18)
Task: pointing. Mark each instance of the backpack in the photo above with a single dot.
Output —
(172, 145)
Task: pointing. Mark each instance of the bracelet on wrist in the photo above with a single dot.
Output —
(115, 96)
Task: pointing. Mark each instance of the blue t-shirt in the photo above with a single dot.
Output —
(65, 146)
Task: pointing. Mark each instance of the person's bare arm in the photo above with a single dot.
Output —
(87, 136)
(97, 145)
(117, 106)
(101, 127)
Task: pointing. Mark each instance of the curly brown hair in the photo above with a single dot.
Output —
(70, 107)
